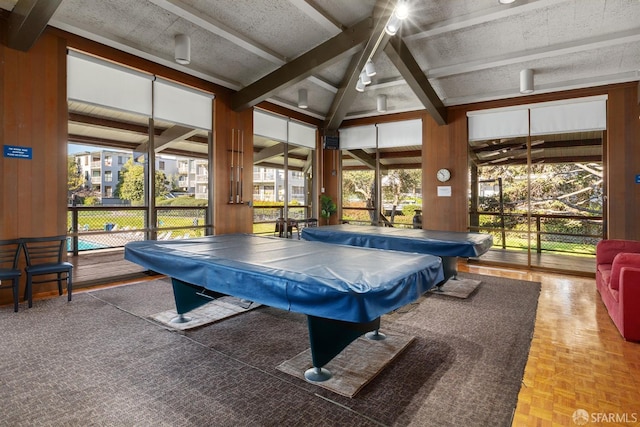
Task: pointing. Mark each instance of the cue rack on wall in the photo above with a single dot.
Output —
(236, 176)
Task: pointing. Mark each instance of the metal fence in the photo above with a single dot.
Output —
(103, 227)
(265, 217)
(571, 234)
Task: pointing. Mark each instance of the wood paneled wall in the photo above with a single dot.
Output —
(623, 162)
(34, 115)
(33, 195)
(232, 217)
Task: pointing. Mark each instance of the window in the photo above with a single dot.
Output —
(108, 176)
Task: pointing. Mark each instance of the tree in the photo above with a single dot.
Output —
(75, 180)
(398, 182)
(131, 183)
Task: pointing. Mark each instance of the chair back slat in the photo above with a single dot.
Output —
(43, 249)
(9, 253)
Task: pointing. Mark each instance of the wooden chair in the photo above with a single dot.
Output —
(9, 254)
(44, 258)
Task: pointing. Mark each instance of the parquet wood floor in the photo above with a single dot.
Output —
(578, 360)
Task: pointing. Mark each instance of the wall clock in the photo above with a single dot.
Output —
(443, 175)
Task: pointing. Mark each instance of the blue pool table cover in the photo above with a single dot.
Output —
(318, 279)
(440, 243)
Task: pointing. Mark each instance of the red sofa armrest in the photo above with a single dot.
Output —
(606, 250)
(630, 302)
(621, 261)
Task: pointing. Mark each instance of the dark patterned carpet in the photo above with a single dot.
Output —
(100, 361)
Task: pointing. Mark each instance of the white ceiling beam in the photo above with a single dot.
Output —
(313, 11)
(198, 18)
(562, 49)
(480, 17)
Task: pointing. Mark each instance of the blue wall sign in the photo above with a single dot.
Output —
(638, 179)
(18, 152)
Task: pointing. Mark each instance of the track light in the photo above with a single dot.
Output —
(302, 98)
(182, 49)
(369, 68)
(400, 13)
(392, 26)
(360, 86)
(365, 78)
(506, 1)
(526, 81)
(381, 103)
(402, 10)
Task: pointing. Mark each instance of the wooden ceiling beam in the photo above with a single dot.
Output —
(399, 54)
(27, 21)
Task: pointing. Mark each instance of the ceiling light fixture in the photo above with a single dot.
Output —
(506, 1)
(400, 13)
(526, 80)
(369, 68)
(183, 49)
(302, 99)
(381, 103)
(365, 78)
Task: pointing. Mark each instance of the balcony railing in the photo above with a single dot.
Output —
(574, 234)
(265, 217)
(103, 227)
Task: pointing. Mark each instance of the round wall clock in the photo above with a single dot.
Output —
(443, 175)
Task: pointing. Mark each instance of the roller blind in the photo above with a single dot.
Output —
(270, 126)
(498, 124)
(358, 137)
(102, 83)
(573, 117)
(400, 134)
(182, 105)
(302, 135)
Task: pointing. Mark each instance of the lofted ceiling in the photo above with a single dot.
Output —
(465, 50)
(446, 53)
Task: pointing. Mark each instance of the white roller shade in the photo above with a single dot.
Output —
(270, 126)
(302, 135)
(574, 117)
(358, 137)
(400, 134)
(181, 105)
(498, 124)
(102, 83)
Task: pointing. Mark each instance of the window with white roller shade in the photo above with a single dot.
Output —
(574, 117)
(270, 126)
(400, 134)
(499, 124)
(182, 105)
(302, 135)
(103, 83)
(358, 137)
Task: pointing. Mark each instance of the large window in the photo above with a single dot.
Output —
(131, 125)
(284, 150)
(382, 174)
(537, 182)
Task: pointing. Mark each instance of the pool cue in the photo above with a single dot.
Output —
(231, 177)
(241, 165)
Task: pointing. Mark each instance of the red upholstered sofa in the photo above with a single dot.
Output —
(618, 281)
